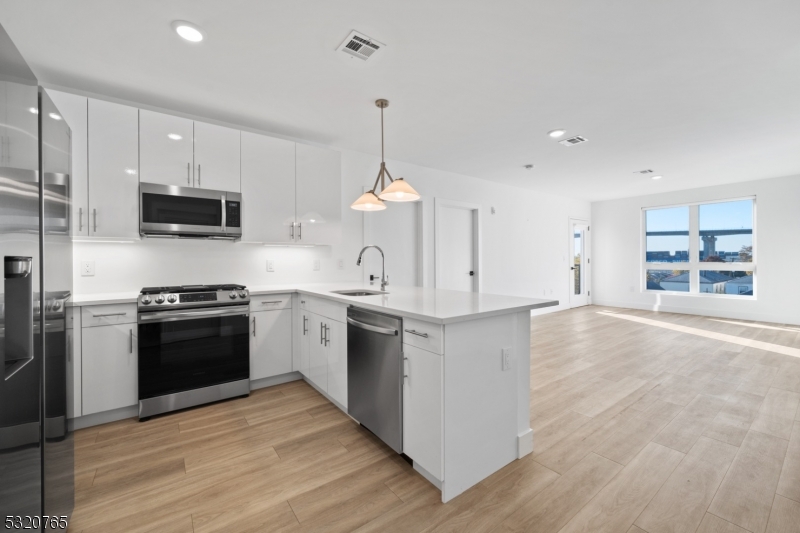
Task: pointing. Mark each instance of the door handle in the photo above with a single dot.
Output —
(198, 174)
(370, 327)
(80, 219)
(188, 173)
(108, 314)
(94, 213)
(572, 268)
(131, 340)
(299, 231)
(417, 333)
(321, 337)
(327, 339)
(471, 272)
(291, 231)
(305, 321)
(254, 326)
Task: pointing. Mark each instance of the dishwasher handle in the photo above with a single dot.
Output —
(370, 327)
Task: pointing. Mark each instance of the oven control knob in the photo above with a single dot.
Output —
(172, 298)
(146, 300)
(232, 295)
(160, 299)
(56, 305)
(242, 294)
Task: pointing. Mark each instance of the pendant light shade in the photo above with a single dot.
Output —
(368, 202)
(397, 191)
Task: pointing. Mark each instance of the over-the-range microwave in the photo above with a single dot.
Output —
(172, 211)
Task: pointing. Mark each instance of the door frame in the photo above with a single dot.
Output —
(587, 249)
(439, 204)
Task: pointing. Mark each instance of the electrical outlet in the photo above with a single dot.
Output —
(316, 264)
(341, 264)
(506, 358)
(87, 268)
(270, 265)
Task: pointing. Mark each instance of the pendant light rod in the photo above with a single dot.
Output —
(382, 173)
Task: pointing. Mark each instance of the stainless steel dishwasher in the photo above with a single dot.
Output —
(375, 374)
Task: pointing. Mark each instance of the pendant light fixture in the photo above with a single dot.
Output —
(397, 191)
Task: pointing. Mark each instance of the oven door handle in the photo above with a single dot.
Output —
(172, 316)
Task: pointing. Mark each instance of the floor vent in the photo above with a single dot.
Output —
(573, 140)
(360, 46)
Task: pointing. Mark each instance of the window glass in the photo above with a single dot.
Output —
(667, 235)
(726, 232)
(668, 280)
(738, 283)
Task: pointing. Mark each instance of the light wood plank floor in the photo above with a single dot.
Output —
(637, 427)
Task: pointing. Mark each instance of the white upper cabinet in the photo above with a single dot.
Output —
(216, 157)
(167, 151)
(113, 145)
(267, 189)
(74, 110)
(319, 195)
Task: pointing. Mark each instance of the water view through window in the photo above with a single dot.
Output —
(667, 235)
(726, 232)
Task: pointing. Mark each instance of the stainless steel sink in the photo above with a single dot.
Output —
(359, 292)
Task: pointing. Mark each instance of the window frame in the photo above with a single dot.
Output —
(694, 265)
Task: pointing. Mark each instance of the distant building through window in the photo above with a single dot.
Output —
(703, 248)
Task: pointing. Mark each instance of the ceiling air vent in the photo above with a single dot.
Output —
(360, 46)
(644, 172)
(573, 140)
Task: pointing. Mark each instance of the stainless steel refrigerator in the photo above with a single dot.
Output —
(36, 446)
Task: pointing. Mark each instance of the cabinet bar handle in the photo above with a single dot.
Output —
(80, 219)
(108, 314)
(94, 213)
(321, 336)
(291, 231)
(327, 339)
(305, 321)
(271, 302)
(188, 173)
(299, 231)
(131, 348)
(254, 326)
(198, 174)
(417, 333)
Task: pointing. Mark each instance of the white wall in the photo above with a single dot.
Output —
(524, 245)
(617, 253)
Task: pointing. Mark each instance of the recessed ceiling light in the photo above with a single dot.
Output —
(529, 166)
(555, 134)
(656, 177)
(174, 136)
(131, 171)
(33, 110)
(188, 31)
(55, 116)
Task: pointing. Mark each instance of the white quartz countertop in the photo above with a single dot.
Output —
(430, 305)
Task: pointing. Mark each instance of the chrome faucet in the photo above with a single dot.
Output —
(384, 277)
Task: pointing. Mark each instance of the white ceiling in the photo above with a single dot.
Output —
(704, 92)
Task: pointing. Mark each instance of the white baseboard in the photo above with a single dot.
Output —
(105, 417)
(427, 475)
(525, 444)
(275, 380)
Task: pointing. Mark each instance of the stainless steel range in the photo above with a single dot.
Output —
(194, 346)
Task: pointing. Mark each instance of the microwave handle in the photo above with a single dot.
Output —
(224, 208)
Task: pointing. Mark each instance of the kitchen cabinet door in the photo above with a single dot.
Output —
(317, 353)
(113, 170)
(74, 110)
(217, 156)
(422, 408)
(167, 149)
(303, 353)
(319, 195)
(267, 189)
(271, 343)
(337, 362)
(110, 371)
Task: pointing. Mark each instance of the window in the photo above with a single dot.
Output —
(704, 248)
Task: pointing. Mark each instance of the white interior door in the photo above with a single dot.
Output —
(579, 263)
(456, 246)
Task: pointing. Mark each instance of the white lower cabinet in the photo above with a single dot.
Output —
(271, 343)
(336, 347)
(304, 339)
(422, 409)
(109, 367)
(318, 355)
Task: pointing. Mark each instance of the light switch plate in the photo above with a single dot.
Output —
(87, 268)
(316, 264)
(506, 358)
(270, 265)
(341, 264)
